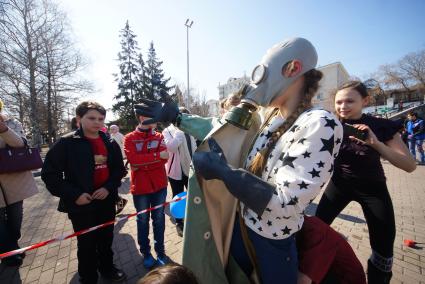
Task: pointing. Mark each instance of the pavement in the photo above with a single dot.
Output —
(57, 262)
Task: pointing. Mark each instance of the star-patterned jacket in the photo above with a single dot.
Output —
(299, 165)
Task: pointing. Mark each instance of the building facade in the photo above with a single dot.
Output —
(232, 85)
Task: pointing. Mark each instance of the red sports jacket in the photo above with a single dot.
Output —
(147, 168)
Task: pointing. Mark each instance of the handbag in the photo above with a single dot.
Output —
(20, 159)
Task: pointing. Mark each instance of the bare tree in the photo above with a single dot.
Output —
(413, 65)
(39, 63)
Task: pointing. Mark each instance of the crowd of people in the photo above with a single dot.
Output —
(297, 150)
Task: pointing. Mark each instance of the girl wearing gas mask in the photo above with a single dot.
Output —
(359, 175)
(269, 183)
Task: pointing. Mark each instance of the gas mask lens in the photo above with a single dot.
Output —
(258, 74)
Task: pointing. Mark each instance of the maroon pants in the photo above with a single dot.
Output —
(321, 249)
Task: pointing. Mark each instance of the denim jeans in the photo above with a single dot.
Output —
(417, 143)
(10, 226)
(144, 201)
(277, 259)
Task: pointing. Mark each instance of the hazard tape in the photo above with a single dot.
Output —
(85, 231)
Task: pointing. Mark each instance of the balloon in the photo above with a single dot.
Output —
(178, 209)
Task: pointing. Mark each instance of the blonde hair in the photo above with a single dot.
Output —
(311, 84)
(1, 104)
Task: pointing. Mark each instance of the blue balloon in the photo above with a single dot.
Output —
(178, 209)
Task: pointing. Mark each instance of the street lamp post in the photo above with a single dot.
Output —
(188, 25)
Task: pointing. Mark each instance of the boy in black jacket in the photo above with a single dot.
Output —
(84, 169)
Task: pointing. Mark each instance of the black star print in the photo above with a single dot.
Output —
(314, 173)
(271, 156)
(286, 183)
(293, 201)
(266, 169)
(253, 220)
(282, 205)
(292, 140)
(275, 235)
(260, 229)
(269, 223)
(328, 145)
(288, 161)
(303, 185)
(269, 134)
(321, 164)
(286, 217)
(330, 123)
(269, 177)
(306, 154)
(275, 170)
(323, 184)
(311, 201)
(332, 168)
(262, 145)
(286, 230)
(278, 218)
(268, 209)
(293, 128)
(301, 141)
(338, 141)
(275, 192)
(259, 218)
(262, 134)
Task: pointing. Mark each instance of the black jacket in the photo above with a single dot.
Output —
(69, 168)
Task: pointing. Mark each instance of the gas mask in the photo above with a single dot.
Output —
(267, 79)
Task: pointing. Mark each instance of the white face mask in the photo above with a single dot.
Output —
(267, 80)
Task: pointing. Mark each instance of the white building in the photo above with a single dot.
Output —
(213, 107)
(232, 85)
(334, 75)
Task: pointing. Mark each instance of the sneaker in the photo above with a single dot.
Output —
(163, 260)
(148, 261)
(114, 275)
(179, 229)
(120, 205)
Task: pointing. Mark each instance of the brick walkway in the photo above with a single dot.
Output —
(57, 263)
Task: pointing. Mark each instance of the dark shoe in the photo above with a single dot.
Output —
(376, 276)
(179, 229)
(87, 281)
(163, 260)
(14, 260)
(114, 275)
(148, 261)
(121, 204)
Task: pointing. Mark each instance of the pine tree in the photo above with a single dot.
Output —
(129, 79)
(154, 81)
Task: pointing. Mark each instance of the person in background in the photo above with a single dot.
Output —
(14, 187)
(180, 147)
(353, 181)
(147, 154)
(84, 169)
(169, 274)
(117, 136)
(416, 135)
(74, 124)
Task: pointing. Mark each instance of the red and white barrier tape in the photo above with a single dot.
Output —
(85, 231)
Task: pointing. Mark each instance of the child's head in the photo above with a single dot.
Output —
(90, 116)
(169, 274)
(350, 99)
(114, 128)
(141, 118)
(412, 116)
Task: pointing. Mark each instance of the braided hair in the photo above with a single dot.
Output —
(311, 84)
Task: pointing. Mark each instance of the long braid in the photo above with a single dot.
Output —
(311, 84)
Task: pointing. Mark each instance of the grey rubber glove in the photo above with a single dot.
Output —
(251, 190)
(165, 112)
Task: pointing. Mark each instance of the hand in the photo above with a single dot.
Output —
(211, 165)
(100, 193)
(164, 155)
(371, 139)
(158, 112)
(84, 199)
(409, 136)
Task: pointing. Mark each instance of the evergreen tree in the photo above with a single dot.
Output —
(154, 81)
(131, 71)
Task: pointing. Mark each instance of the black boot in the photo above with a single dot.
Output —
(377, 276)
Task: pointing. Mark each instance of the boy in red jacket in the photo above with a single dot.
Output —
(147, 154)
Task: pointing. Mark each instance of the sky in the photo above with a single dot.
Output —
(229, 38)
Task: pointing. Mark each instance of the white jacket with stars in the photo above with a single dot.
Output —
(299, 165)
